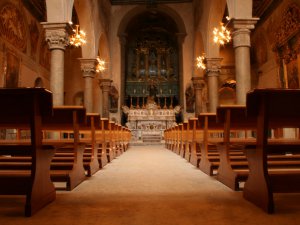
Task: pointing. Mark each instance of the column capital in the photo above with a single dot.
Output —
(244, 23)
(241, 33)
(88, 67)
(213, 66)
(105, 84)
(198, 82)
(57, 34)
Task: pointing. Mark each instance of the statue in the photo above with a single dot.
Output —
(152, 92)
(114, 97)
(190, 99)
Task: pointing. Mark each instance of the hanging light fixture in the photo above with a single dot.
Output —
(100, 65)
(78, 38)
(200, 62)
(222, 34)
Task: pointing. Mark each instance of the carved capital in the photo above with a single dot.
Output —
(213, 66)
(88, 67)
(198, 83)
(57, 34)
(105, 84)
(241, 34)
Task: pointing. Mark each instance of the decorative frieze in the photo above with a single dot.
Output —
(289, 25)
(12, 26)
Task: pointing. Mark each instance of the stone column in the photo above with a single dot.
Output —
(88, 69)
(57, 37)
(105, 86)
(198, 84)
(241, 45)
(213, 66)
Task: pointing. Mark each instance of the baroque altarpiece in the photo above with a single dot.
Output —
(151, 86)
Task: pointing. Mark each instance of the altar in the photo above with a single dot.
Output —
(148, 124)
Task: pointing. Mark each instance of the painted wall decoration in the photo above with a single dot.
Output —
(34, 37)
(12, 70)
(287, 47)
(44, 53)
(2, 63)
(12, 26)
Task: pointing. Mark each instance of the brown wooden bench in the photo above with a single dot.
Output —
(233, 166)
(179, 137)
(90, 156)
(196, 148)
(67, 163)
(191, 141)
(175, 139)
(212, 134)
(102, 139)
(25, 108)
(272, 108)
(184, 139)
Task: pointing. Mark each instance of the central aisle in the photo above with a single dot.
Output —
(149, 185)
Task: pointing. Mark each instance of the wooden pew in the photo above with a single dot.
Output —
(212, 131)
(233, 167)
(127, 137)
(110, 140)
(272, 108)
(118, 140)
(180, 146)
(90, 157)
(175, 138)
(196, 148)
(190, 142)
(67, 163)
(26, 108)
(166, 137)
(184, 139)
(101, 137)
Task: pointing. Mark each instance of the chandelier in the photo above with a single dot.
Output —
(221, 34)
(100, 65)
(200, 62)
(78, 38)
